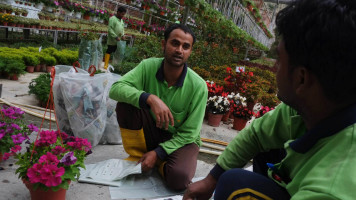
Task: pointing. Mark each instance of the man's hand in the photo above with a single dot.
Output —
(200, 190)
(161, 111)
(118, 39)
(148, 161)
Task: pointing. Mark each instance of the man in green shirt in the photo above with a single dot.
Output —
(315, 124)
(115, 33)
(161, 109)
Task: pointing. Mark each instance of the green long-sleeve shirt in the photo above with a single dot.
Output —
(115, 29)
(320, 163)
(186, 100)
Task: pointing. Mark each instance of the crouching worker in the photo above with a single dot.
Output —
(160, 110)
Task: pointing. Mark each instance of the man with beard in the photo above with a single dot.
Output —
(315, 124)
(160, 110)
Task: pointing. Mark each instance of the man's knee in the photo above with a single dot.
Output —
(128, 116)
(177, 178)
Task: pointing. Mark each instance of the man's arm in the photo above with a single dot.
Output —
(189, 131)
(130, 87)
(269, 132)
(111, 29)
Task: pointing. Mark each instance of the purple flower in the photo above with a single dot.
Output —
(15, 126)
(2, 124)
(32, 127)
(2, 134)
(68, 159)
(19, 111)
(18, 139)
(8, 112)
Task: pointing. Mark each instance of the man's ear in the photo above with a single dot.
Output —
(303, 80)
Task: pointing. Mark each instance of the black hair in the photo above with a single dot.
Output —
(121, 9)
(183, 27)
(321, 36)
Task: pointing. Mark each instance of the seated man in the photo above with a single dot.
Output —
(161, 109)
(315, 124)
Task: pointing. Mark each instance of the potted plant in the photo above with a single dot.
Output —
(13, 131)
(51, 162)
(50, 62)
(24, 12)
(241, 115)
(263, 110)
(216, 107)
(40, 87)
(15, 67)
(30, 61)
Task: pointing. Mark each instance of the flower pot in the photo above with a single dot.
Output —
(14, 77)
(239, 123)
(226, 116)
(214, 119)
(86, 16)
(40, 194)
(38, 68)
(1, 157)
(4, 24)
(181, 2)
(30, 69)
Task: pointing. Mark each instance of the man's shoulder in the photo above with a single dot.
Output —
(196, 78)
(152, 62)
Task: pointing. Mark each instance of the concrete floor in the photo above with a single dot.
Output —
(13, 188)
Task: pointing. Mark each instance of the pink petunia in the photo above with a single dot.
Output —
(32, 127)
(6, 156)
(51, 175)
(2, 124)
(15, 126)
(18, 139)
(16, 148)
(49, 158)
(58, 150)
(2, 133)
(34, 173)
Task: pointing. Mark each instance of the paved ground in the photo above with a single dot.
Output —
(12, 188)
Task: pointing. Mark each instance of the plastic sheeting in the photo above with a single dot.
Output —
(84, 107)
(90, 53)
(119, 54)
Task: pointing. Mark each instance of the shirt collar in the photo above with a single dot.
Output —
(326, 128)
(179, 83)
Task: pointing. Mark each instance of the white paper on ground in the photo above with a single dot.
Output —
(149, 185)
(109, 172)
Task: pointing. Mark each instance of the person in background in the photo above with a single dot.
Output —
(315, 124)
(115, 33)
(160, 110)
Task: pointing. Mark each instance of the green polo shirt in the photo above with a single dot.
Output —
(320, 163)
(186, 100)
(116, 29)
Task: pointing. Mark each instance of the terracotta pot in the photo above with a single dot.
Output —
(214, 119)
(14, 77)
(43, 68)
(30, 69)
(181, 2)
(86, 17)
(239, 123)
(38, 68)
(40, 194)
(226, 116)
(4, 23)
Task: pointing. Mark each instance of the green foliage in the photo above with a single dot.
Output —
(66, 57)
(49, 60)
(124, 67)
(30, 59)
(15, 66)
(40, 87)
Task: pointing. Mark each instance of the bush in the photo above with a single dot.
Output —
(30, 59)
(40, 87)
(49, 60)
(124, 67)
